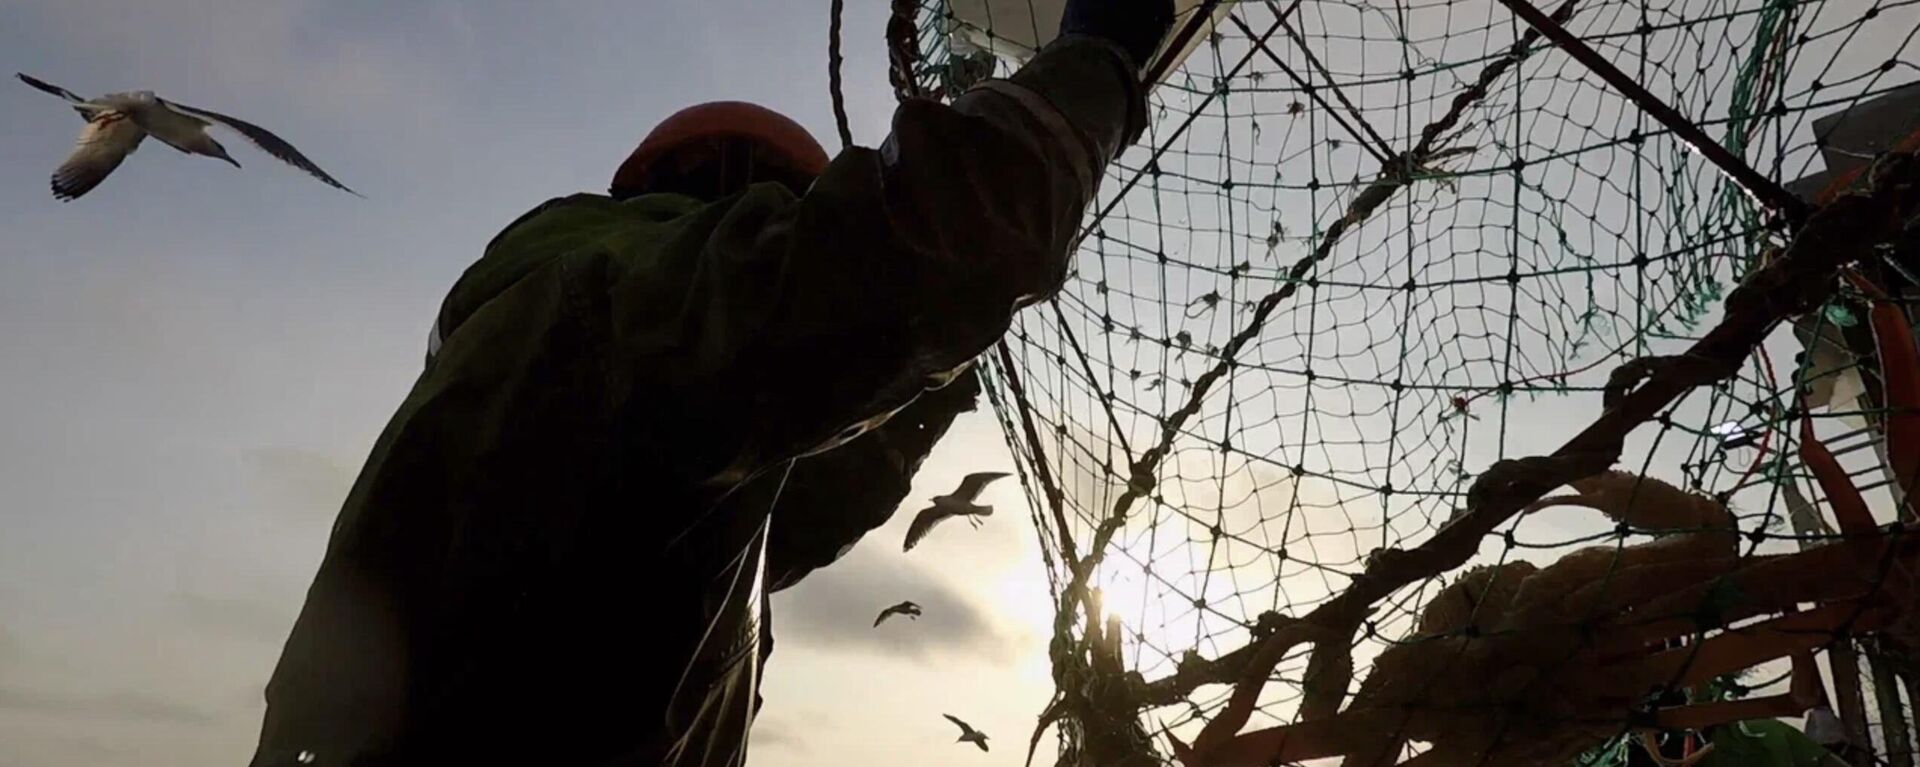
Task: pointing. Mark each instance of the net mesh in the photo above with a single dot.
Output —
(1363, 253)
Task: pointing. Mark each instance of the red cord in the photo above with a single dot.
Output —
(1773, 384)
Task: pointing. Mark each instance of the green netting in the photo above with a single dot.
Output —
(1363, 253)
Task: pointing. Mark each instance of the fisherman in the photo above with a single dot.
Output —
(642, 410)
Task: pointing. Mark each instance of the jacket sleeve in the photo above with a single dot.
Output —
(828, 502)
(900, 265)
(755, 330)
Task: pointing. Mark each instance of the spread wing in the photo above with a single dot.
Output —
(908, 608)
(971, 486)
(982, 743)
(107, 140)
(49, 87)
(923, 524)
(965, 729)
(263, 138)
(85, 109)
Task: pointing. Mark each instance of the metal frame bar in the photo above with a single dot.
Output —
(1762, 189)
(1145, 170)
(1332, 84)
(1159, 67)
(1380, 150)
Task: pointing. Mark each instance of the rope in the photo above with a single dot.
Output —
(833, 73)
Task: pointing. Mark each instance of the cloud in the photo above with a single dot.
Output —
(780, 735)
(834, 609)
(307, 480)
(236, 616)
(118, 705)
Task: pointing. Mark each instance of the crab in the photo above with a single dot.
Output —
(1514, 664)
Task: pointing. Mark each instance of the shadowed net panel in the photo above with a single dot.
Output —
(1364, 252)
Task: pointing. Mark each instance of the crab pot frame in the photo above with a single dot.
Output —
(1546, 662)
(1577, 659)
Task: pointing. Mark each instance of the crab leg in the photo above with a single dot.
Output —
(1824, 574)
(1900, 373)
(1803, 694)
(1849, 508)
(1336, 735)
(1629, 586)
(1750, 646)
(1246, 692)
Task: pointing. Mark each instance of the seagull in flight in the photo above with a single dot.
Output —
(118, 122)
(907, 608)
(959, 503)
(967, 733)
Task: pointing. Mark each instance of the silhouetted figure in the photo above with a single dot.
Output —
(643, 410)
(959, 503)
(967, 733)
(907, 608)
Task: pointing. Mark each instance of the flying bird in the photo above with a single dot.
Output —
(118, 122)
(967, 733)
(959, 503)
(907, 608)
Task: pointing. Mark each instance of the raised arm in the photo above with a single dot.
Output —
(751, 331)
(902, 264)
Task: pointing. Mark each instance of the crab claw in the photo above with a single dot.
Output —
(1181, 751)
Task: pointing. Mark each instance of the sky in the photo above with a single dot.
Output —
(1183, 265)
(201, 356)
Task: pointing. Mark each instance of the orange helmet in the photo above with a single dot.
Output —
(782, 139)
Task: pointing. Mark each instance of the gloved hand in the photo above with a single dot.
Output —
(1137, 26)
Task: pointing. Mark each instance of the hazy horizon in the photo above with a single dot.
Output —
(205, 354)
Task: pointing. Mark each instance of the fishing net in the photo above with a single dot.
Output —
(1368, 255)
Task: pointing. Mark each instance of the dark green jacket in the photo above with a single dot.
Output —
(557, 551)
